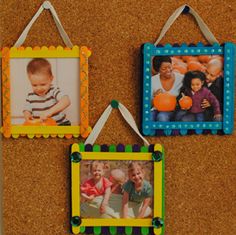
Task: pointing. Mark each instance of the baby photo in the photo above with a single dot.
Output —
(116, 189)
(45, 91)
(187, 88)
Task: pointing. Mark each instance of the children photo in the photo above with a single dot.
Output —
(187, 88)
(45, 91)
(116, 189)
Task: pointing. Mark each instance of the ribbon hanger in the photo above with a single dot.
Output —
(102, 120)
(187, 9)
(45, 6)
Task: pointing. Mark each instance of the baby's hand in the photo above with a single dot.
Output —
(44, 115)
(91, 197)
(205, 104)
(28, 116)
(103, 208)
(218, 117)
(157, 92)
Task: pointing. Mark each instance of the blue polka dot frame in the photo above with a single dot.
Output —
(214, 62)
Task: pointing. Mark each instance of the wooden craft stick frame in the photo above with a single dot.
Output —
(153, 127)
(83, 129)
(80, 152)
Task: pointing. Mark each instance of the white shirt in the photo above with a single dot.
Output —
(156, 84)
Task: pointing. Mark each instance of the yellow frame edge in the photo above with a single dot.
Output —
(75, 196)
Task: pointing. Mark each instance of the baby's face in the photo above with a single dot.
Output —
(97, 172)
(136, 175)
(212, 73)
(40, 83)
(196, 84)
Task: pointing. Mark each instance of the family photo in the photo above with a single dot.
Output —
(187, 88)
(116, 189)
(49, 94)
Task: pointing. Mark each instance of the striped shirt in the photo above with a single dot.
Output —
(37, 104)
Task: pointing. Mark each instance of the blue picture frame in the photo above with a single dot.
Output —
(151, 128)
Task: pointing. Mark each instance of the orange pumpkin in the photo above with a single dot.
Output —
(38, 122)
(180, 68)
(187, 58)
(175, 60)
(164, 102)
(194, 65)
(204, 58)
(185, 102)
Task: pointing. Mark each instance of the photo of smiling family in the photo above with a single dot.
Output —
(116, 189)
(187, 88)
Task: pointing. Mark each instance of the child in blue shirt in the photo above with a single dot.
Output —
(137, 192)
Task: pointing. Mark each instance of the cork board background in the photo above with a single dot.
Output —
(200, 169)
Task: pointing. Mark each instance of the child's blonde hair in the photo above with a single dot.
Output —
(133, 165)
(118, 175)
(39, 65)
(95, 164)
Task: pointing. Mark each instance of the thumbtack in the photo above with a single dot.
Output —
(186, 9)
(114, 104)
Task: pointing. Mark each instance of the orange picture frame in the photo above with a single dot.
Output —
(10, 130)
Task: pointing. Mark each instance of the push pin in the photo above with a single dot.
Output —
(157, 222)
(76, 221)
(75, 157)
(114, 104)
(186, 9)
(157, 156)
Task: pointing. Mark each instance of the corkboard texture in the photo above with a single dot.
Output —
(200, 175)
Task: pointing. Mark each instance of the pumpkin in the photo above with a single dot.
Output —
(38, 122)
(180, 68)
(185, 102)
(164, 102)
(187, 58)
(175, 60)
(194, 65)
(204, 58)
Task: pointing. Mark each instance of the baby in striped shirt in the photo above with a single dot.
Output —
(45, 100)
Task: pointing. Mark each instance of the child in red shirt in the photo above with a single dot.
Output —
(98, 185)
